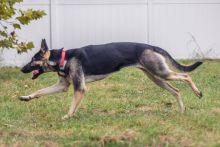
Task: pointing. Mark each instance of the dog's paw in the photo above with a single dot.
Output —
(183, 110)
(25, 98)
(67, 116)
(200, 95)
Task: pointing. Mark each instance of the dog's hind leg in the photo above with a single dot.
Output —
(61, 86)
(156, 64)
(165, 85)
(185, 77)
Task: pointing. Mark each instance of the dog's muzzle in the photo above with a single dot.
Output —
(36, 71)
(27, 68)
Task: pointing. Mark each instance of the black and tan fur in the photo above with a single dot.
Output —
(95, 62)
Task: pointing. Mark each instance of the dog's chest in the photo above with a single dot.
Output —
(92, 78)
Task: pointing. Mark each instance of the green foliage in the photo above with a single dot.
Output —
(29, 15)
(9, 24)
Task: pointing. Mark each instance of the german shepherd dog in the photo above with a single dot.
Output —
(95, 62)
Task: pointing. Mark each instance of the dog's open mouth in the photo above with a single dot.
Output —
(35, 73)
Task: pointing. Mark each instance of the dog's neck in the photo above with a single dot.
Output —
(55, 55)
(55, 60)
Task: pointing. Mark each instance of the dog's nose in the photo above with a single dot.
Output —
(25, 70)
(22, 69)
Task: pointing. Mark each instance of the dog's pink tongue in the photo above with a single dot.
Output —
(35, 72)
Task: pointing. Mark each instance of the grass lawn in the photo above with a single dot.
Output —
(125, 109)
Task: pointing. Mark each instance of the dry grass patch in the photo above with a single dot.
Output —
(58, 133)
(128, 135)
(170, 140)
(49, 144)
(216, 110)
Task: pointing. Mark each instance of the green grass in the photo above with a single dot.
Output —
(125, 109)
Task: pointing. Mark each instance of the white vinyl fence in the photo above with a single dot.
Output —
(170, 24)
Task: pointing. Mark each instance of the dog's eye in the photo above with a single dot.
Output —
(34, 63)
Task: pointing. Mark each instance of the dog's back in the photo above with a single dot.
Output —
(107, 58)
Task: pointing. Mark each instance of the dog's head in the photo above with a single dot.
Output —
(38, 63)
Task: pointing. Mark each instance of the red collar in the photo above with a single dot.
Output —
(63, 54)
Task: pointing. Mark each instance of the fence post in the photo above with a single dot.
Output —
(53, 23)
(149, 20)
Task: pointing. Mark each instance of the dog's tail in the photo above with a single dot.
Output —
(180, 67)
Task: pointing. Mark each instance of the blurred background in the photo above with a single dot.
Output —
(185, 28)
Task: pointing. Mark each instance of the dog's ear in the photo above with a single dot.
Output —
(44, 47)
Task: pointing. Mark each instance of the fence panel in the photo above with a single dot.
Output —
(166, 23)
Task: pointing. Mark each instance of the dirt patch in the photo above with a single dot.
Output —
(59, 133)
(3, 145)
(214, 136)
(76, 143)
(216, 110)
(16, 134)
(48, 144)
(141, 108)
(23, 133)
(183, 141)
(1, 133)
(167, 139)
(104, 111)
(17, 144)
(100, 111)
(128, 135)
(186, 142)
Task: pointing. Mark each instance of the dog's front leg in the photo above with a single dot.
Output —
(79, 90)
(78, 95)
(62, 85)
